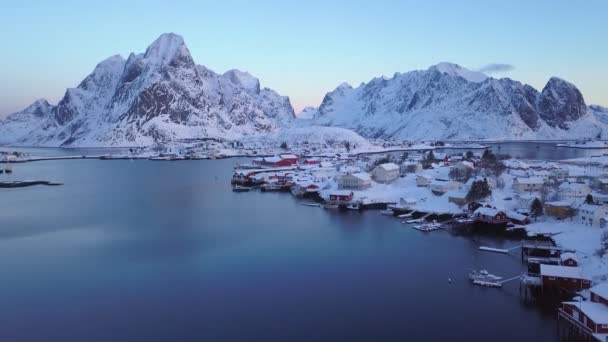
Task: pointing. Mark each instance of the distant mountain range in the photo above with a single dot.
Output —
(159, 95)
(447, 101)
(162, 95)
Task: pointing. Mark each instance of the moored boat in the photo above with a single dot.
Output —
(239, 188)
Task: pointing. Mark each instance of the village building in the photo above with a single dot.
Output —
(277, 161)
(340, 197)
(574, 190)
(462, 170)
(410, 167)
(560, 278)
(305, 189)
(559, 173)
(569, 259)
(423, 180)
(590, 215)
(457, 197)
(490, 215)
(542, 174)
(441, 186)
(530, 184)
(385, 173)
(559, 209)
(517, 218)
(589, 317)
(355, 181)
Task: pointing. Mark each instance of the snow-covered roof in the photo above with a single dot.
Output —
(389, 166)
(487, 211)
(362, 176)
(289, 156)
(600, 290)
(530, 180)
(573, 186)
(568, 255)
(274, 159)
(559, 204)
(516, 216)
(340, 193)
(561, 271)
(597, 312)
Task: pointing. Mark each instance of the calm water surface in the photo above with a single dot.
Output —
(148, 251)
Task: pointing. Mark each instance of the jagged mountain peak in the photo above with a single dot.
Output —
(168, 48)
(447, 101)
(157, 96)
(244, 80)
(453, 69)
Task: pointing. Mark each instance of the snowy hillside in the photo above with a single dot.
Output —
(447, 101)
(159, 95)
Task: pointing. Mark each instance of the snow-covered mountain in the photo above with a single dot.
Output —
(159, 95)
(447, 101)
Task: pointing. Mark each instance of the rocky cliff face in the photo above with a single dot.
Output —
(160, 95)
(447, 101)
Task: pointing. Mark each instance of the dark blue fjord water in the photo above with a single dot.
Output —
(164, 251)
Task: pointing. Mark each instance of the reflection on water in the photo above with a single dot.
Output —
(144, 251)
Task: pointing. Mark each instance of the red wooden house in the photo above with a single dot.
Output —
(563, 278)
(569, 259)
(590, 317)
(490, 215)
(341, 196)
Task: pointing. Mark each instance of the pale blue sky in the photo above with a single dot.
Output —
(304, 49)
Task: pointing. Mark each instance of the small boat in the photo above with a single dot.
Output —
(355, 207)
(330, 206)
(239, 188)
(484, 278)
(387, 212)
(427, 227)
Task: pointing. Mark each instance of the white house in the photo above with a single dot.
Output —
(386, 173)
(529, 184)
(559, 173)
(590, 215)
(542, 174)
(423, 180)
(441, 186)
(574, 190)
(355, 181)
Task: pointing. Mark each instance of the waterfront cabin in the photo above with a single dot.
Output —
(289, 159)
(423, 180)
(341, 197)
(569, 259)
(386, 173)
(599, 293)
(518, 218)
(490, 215)
(563, 278)
(590, 318)
(305, 189)
(569, 190)
(559, 209)
(277, 161)
(529, 184)
(590, 215)
(354, 181)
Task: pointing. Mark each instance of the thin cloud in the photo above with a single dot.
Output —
(494, 68)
